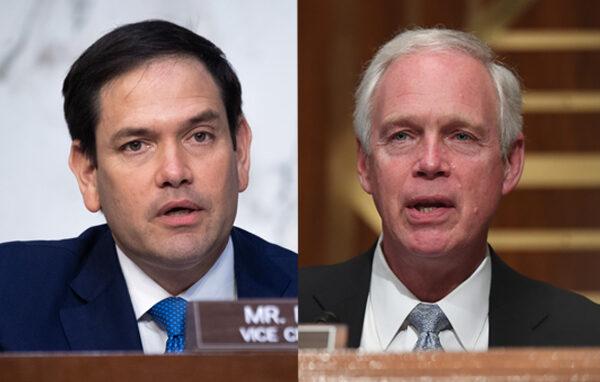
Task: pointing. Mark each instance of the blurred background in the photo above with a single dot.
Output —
(40, 39)
(549, 228)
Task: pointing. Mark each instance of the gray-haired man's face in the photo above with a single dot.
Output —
(435, 170)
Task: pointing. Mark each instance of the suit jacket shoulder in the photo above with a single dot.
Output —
(525, 312)
(337, 293)
(65, 295)
(522, 311)
(71, 294)
(263, 269)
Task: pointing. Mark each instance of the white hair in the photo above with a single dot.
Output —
(506, 83)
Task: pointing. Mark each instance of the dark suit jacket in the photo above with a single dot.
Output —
(522, 312)
(71, 294)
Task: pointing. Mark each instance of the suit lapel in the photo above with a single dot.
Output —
(515, 312)
(347, 299)
(98, 315)
(256, 275)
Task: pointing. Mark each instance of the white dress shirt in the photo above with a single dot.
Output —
(390, 302)
(217, 284)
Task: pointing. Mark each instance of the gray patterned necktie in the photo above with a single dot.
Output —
(429, 321)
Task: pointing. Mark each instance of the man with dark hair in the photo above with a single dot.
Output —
(160, 145)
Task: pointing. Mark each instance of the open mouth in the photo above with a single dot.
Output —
(179, 211)
(178, 208)
(429, 206)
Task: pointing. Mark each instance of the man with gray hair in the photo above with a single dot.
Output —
(439, 130)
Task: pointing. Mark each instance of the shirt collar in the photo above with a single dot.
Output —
(217, 284)
(466, 306)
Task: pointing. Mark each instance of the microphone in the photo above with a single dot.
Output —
(325, 332)
(327, 317)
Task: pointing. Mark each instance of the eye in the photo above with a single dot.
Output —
(400, 136)
(132, 146)
(461, 136)
(201, 136)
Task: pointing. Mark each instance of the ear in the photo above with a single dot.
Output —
(242, 153)
(85, 172)
(513, 165)
(363, 167)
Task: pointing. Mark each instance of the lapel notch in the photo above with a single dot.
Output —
(515, 311)
(98, 315)
(258, 274)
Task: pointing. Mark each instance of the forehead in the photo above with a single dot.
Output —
(162, 88)
(437, 83)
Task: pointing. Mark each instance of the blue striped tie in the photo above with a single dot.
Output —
(169, 314)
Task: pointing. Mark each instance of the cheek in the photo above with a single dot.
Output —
(217, 176)
(484, 189)
(120, 193)
(222, 189)
(388, 185)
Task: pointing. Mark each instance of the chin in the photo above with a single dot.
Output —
(428, 252)
(428, 247)
(179, 246)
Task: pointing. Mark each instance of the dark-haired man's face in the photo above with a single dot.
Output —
(167, 177)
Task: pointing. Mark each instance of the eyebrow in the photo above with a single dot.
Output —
(206, 116)
(456, 120)
(400, 120)
(209, 115)
(415, 122)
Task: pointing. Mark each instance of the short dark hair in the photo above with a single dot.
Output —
(126, 48)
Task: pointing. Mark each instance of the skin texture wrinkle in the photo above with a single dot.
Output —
(167, 176)
(435, 167)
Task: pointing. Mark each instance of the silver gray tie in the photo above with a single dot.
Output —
(429, 321)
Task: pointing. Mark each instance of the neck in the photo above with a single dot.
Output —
(177, 281)
(431, 278)
(177, 278)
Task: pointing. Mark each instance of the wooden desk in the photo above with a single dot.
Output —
(96, 367)
(523, 364)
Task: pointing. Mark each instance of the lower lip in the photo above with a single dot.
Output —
(181, 220)
(436, 216)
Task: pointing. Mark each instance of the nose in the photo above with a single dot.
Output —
(173, 169)
(432, 161)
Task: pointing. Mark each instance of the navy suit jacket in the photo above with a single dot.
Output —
(522, 312)
(71, 294)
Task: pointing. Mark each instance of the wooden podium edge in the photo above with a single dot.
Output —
(115, 367)
(527, 364)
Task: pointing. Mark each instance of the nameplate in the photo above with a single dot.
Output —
(328, 337)
(242, 325)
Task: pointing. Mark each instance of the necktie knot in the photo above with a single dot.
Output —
(429, 321)
(169, 314)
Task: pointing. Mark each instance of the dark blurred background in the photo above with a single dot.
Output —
(549, 228)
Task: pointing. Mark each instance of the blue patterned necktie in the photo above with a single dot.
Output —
(169, 314)
(429, 321)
